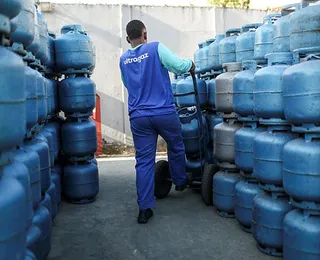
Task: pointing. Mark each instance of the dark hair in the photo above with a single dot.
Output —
(134, 29)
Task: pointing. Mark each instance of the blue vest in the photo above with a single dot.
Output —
(147, 82)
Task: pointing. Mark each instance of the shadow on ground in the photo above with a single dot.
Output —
(182, 228)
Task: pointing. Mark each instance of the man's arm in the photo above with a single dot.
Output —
(172, 62)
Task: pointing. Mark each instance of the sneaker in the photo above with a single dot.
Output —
(144, 215)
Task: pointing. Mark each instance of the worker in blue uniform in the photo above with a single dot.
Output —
(144, 71)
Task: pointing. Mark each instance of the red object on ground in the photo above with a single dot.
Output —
(97, 119)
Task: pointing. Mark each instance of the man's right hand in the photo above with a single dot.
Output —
(193, 68)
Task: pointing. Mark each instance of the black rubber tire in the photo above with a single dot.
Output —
(207, 182)
(162, 179)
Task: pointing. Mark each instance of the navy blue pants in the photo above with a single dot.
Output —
(145, 131)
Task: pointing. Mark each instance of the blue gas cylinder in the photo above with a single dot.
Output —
(43, 220)
(304, 28)
(54, 128)
(268, 155)
(34, 241)
(49, 139)
(34, 47)
(42, 97)
(245, 42)
(46, 202)
(186, 86)
(269, 210)
(42, 148)
(13, 219)
(301, 92)
(281, 29)
(213, 53)
(24, 33)
(20, 172)
(51, 61)
(268, 88)
(79, 137)
(211, 88)
(202, 57)
(197, 56)
(77, 96)
(190, 128)
(32, 97)
(301, 164)
(301, 234)
(205, 62)
(56, 179)
(264, 36)
(195, 166)
(80, 182)
(224, 184)
(31, 160)
(243, 85)
(227, 46)
(244, 140)
(212, 120)
(52, 97)
(8, 10)
(52, 192)
(42, 53)
(245, 192)
(12, 100)
(74, 50)
(174, 87)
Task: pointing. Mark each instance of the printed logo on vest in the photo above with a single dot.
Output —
(135, 60)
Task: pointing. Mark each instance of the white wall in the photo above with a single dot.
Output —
(180, 28)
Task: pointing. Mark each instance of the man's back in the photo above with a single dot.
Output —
(147, 81)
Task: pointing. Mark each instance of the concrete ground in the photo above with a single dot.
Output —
(182, 226)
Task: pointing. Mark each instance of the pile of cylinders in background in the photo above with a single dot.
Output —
(31, 162)
(265, 83)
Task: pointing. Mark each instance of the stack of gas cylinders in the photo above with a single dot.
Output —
(224, 133)
(267, 93)
(75, 60)
(30, 155)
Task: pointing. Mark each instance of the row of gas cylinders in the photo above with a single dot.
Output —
(34, 170)
(28, 32)
(268, 145)
(276, 94)
(294, 28)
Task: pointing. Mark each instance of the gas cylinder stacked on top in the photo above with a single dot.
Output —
(264, 38)
(75, 60)
(225, 180)
(301, 157)
(270, 207)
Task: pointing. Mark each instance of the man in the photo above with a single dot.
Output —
(144, 70)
